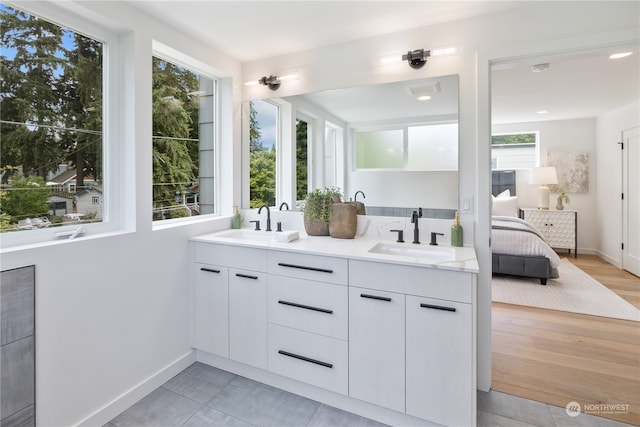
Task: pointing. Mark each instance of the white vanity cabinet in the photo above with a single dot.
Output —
(211, 309)
(307, 314)
(239, 305)
(377, 347)
(433, 322)
(439, 360)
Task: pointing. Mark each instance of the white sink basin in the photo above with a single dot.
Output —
(409, 250)
(249, 235)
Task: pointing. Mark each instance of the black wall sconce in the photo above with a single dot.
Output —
(272, 82)
(416, 58)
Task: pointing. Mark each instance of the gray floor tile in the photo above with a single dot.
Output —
(24, 418)
(263, 405)
(199, 382)
(161, 408)
(330, 416)
(17, 372)
(487, 419)
(561, 419)
(17, 289)
(209, 417)
(516, 408)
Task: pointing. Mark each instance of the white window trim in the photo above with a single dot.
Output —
(113, 222)
(162, 51)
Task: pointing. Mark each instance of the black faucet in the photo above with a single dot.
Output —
(400, 235)
(355, 196)
(268, 216)
(284, 204)
(434, 237)
(416, 231)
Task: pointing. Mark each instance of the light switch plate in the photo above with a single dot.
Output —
(467, 204)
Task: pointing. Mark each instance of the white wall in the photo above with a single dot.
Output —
(541, 28)
(608, 230)
(113, 311)
(571, 136)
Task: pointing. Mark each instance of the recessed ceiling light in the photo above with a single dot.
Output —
(538, 68)
(543, 112)
(424, 98)
(620, 55)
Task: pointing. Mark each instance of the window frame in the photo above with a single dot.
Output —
(536, 145)
(178, 57)
(112, 138)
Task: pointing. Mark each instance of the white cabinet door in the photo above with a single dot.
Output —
(211, 322)
(248, 317)
(377, 347)
(439, 361)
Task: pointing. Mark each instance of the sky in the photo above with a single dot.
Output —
(266, 115)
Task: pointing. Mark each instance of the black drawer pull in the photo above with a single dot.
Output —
(375, 297)
(246, 276)
(210, 270)
(304, 267)
(306, 359)
(438, 307)
(307, 307)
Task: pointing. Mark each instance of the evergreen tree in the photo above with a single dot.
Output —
(30, 92)
(25, 198)
(302, 136)
(255, 136)
(175, 108)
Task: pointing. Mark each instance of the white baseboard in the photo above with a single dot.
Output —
(137, 392)
(610, 260)
(346, 403)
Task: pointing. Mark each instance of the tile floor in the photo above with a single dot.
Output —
(203, 396)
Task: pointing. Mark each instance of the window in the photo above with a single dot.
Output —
(263, 136)
(51, 122)
(303, 142)
(432, 147)
(183, 141)
(514, 150)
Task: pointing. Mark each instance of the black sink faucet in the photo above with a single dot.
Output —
(416, 231)
(268, 216)
(284, 204)
(355, 196)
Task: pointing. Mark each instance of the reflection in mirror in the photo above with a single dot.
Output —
(416, 167)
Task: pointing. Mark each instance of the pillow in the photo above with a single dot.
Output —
(505, 194)
(505, 206)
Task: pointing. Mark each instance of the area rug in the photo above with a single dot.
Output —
(574, 291)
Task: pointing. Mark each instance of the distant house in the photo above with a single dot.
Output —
(88, 201)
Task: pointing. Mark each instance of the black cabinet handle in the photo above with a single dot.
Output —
(306, 307)
(438, 307)
(246, 276)
(375, 297)
(304, 267)
(306, 359)
(210, 270)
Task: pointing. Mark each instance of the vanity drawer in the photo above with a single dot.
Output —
(311, 267)
(410, 280)
(316, 307)
(231, 256)
(309, 358)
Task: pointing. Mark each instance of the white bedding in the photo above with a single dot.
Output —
(525, 240)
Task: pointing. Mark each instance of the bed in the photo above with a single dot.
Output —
(517, 247)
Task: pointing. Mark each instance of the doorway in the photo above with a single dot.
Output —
(631, 200)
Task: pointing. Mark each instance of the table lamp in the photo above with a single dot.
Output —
(543, 176)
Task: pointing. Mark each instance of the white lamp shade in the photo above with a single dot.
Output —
(543, 175)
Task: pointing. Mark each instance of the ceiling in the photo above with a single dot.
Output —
(576, 85)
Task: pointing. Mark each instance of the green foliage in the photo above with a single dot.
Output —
(26, 197)
(318, 203)
(564, 197)
(175, 118)
(255, 136)
(262, 183)
(520, 138)
(301, 159)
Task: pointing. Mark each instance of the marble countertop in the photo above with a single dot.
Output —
(387, 251)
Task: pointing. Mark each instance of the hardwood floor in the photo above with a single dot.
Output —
(559, 357)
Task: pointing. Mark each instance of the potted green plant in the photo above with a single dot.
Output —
(317, 210)
(562, 197)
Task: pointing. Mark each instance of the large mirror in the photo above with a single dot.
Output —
(395, 142)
